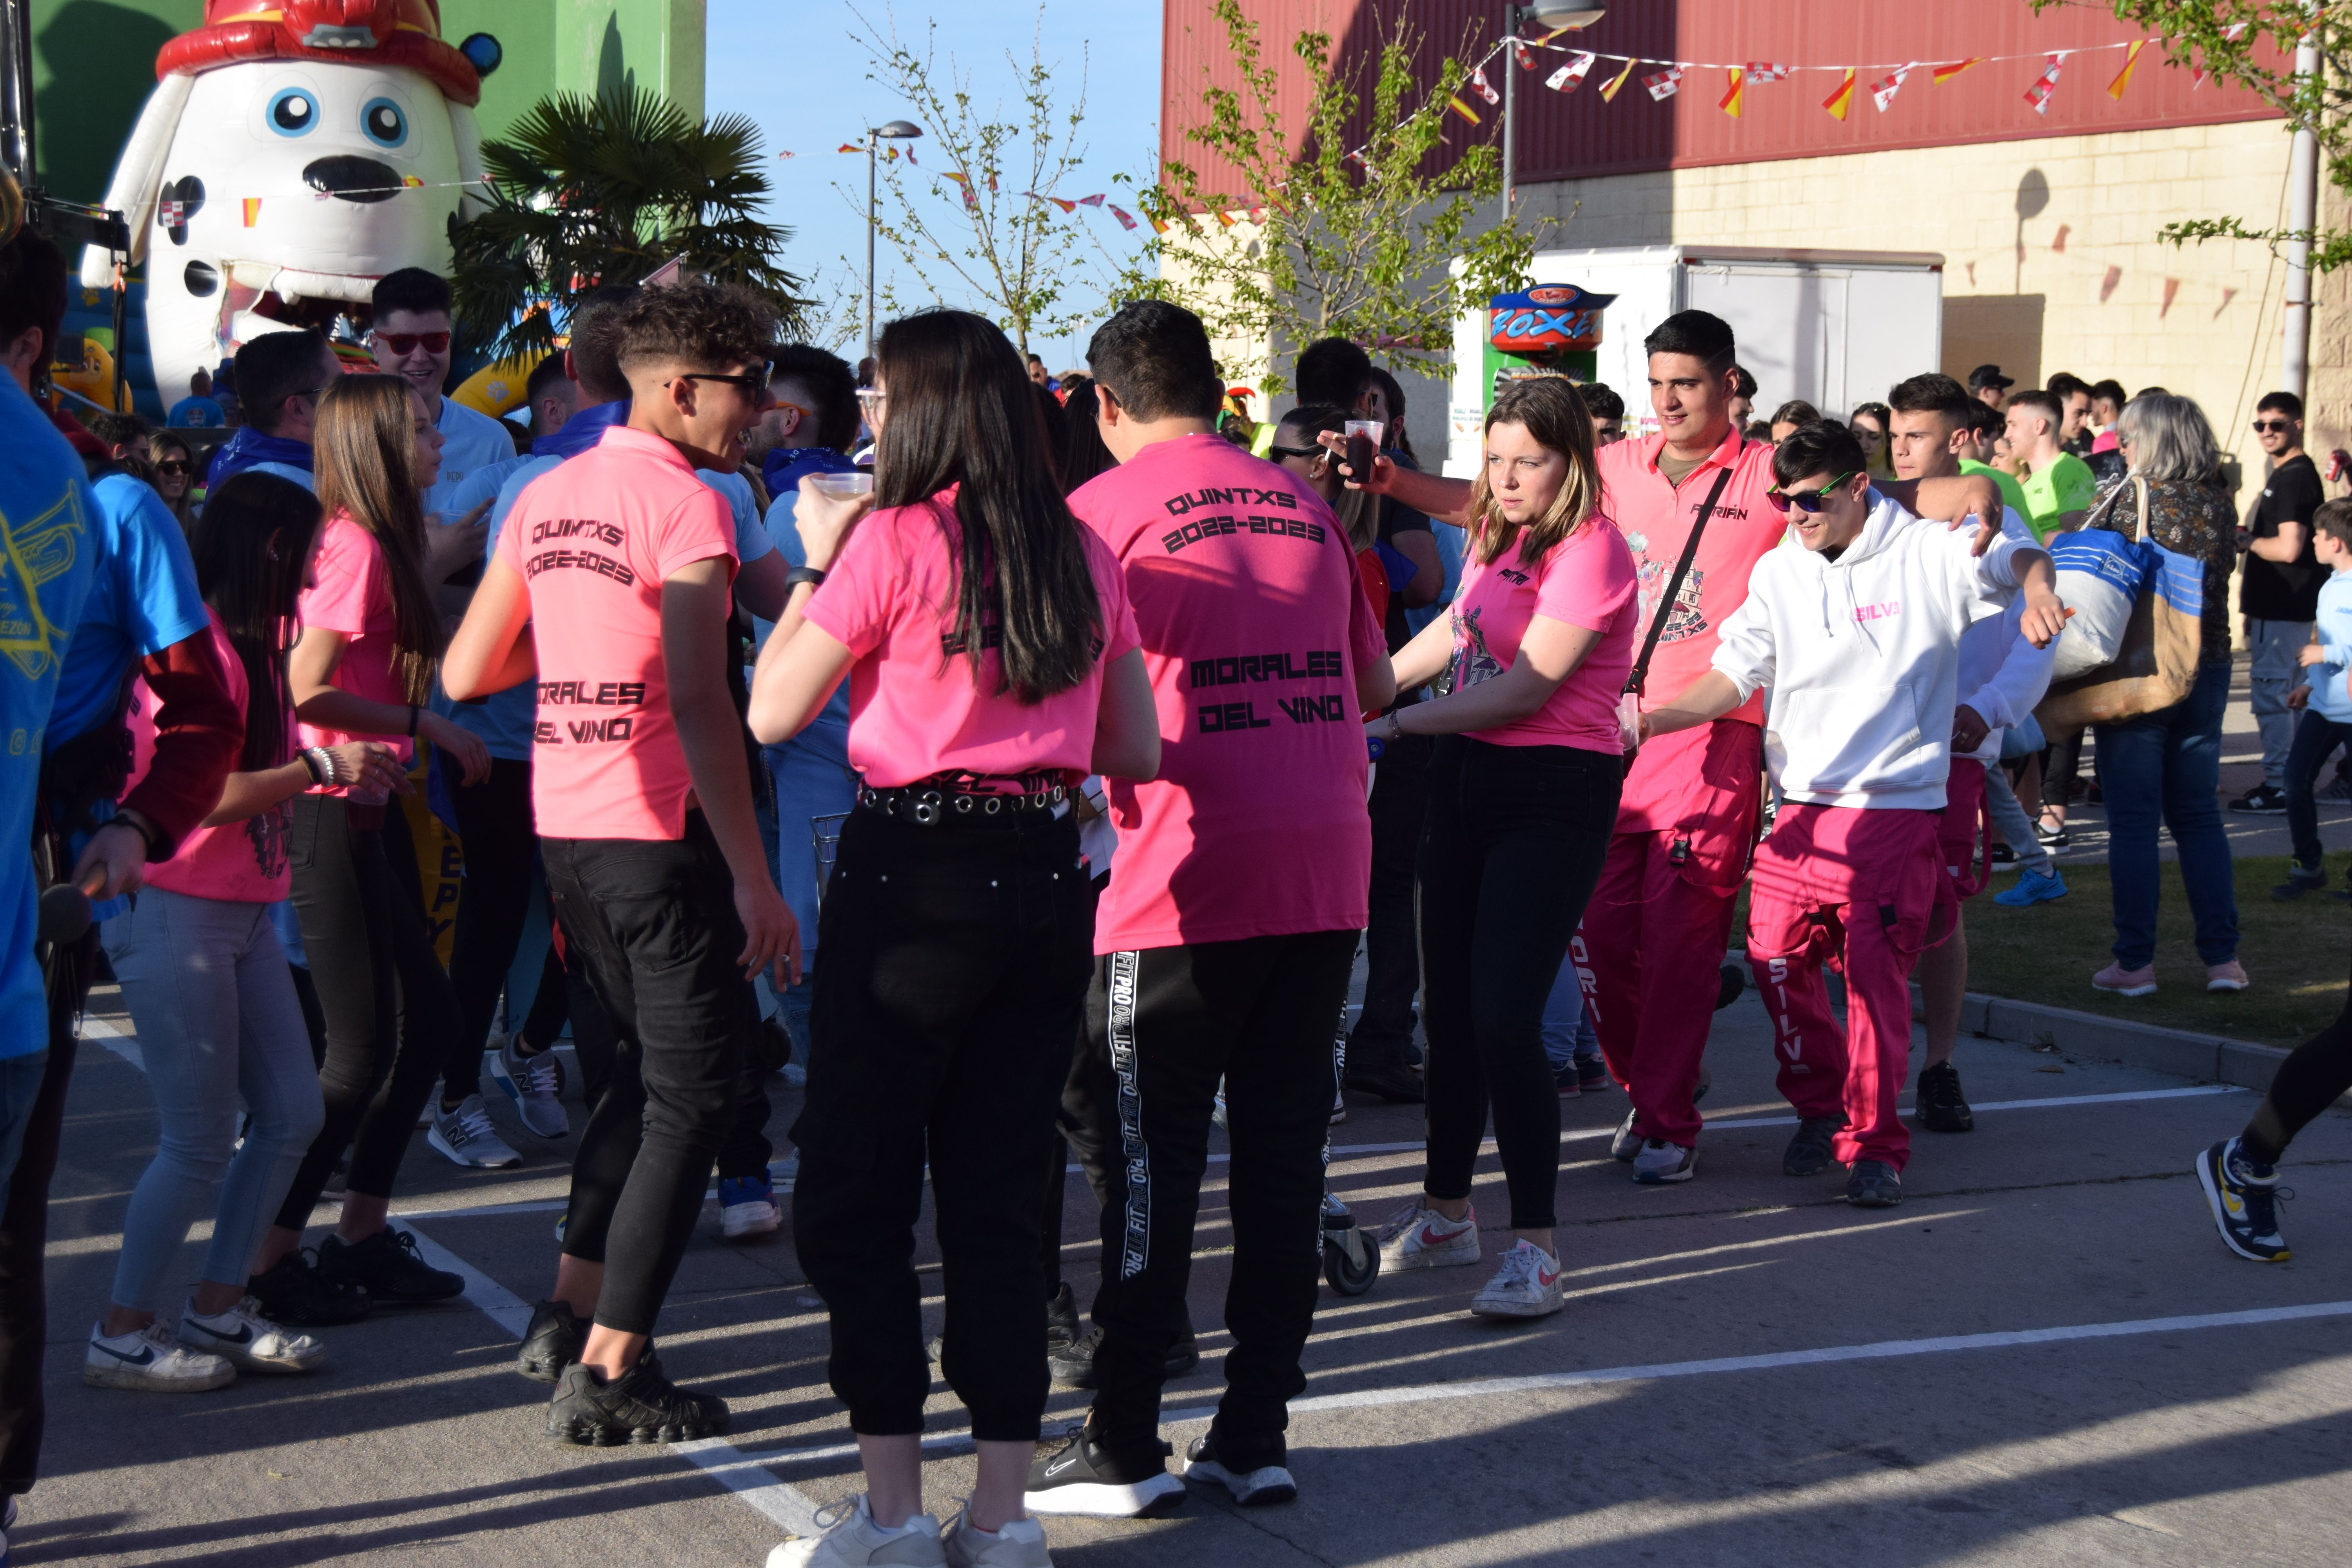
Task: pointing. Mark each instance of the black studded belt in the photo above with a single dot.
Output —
(928, 803)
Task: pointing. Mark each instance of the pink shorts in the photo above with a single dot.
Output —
(1961, 828)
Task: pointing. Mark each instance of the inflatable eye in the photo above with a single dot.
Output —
(293, 113)
(385, 125)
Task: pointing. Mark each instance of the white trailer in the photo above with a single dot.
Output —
(1832, 327)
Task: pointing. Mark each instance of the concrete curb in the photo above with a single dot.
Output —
(2207, 1057)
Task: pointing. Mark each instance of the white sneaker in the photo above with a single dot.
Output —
(250, 1341)
(747, 1208)
(464, 1135)
(535, 1084)
(149, 1359)
(853, 1541)
(1625, 1143)
(1661, 1161)
(1525, 1285)
(1417, 1237)
(1020, 1545)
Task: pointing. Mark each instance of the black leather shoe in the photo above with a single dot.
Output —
(1394, 1082)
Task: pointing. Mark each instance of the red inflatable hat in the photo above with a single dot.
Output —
(379, 32)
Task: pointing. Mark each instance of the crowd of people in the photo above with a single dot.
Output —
(1088, 734)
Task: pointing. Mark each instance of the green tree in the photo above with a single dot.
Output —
(2251, 44)
(1353, 222)
(586, 190)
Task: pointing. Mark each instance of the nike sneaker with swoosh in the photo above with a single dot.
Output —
(2244, 1198)
(1417, 1237)
(149, 1359)
(852, 1540)
(1255, 1477)
(1083, 1476)
(1525, 1285)
(250, 1341)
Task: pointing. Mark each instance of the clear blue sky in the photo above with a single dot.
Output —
(798, 69)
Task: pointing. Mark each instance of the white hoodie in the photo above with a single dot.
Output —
(2002, 676)
(1863, 656)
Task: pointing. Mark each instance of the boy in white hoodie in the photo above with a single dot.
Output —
(1858, 636)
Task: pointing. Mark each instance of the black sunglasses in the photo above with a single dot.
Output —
(174, 465)
(753, 383)
(1808, 501)
(1299, 451)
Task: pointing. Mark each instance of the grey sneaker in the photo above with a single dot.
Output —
(535, 1084)
(465, 1137)
(1874, 1184)
(1660, 1162)
(1809, 1153)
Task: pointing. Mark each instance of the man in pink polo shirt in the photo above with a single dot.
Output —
(609, 589)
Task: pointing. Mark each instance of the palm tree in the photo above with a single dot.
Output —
(586, 190)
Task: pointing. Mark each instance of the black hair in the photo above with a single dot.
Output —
(413, 290)
(593, 346)
(1743, 382)
(32, 293)
(830, 386)
(2042, 403)
(1704, 336)
(1822, 446)
(1796, 411)
(1154, 357)
(1394, 393)
(1083, 455)
(1878, 411)
(1933, 393)
(1984, 419)
(272, 368)
(963, 411)
(704, 325)
(1602, 401)
(2065, 384)
(2110, 389)
(543, 376)
(252, 549)
(2333, 519)
(1308, 420)
(1333, 371)
(2285, 403)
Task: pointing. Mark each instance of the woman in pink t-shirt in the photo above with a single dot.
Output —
(1533, 652)
(992, 662)
(207, 982)
(360, 668)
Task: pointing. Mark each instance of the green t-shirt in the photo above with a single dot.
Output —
(2012, 494)
(2066, 485)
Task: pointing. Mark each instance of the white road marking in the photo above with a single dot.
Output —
(113, 1040)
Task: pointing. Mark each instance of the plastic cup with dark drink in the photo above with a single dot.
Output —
(1363, 441)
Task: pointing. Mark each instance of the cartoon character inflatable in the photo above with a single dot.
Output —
(293, 152)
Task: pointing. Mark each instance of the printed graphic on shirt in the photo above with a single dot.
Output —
(266, 831)
(1199, 523)
(1223, 715)
(1686, 620)
(1473, 662)
(40, 550)
(586, 730)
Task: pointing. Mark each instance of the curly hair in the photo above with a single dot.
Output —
(698, 323)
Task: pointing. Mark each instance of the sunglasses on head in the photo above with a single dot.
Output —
(404, 344)
(2267, 426)
(1807, 501)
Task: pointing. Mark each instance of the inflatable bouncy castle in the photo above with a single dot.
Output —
(292, 152)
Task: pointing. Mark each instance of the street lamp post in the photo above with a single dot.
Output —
(1553, 15)
(896, 131)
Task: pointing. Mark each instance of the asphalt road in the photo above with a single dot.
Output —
(2045, 1355)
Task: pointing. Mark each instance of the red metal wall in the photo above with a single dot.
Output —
(1578, 136)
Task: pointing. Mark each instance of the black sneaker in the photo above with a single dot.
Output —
(1062, 1321)
(2261, 800)
(1254, 1474)
(1073, 1367)
(1809, 1151)
(2299, 882)
(551, 1342)
(1392, 1082)
(388, 1266)
(1082, 1477)
(2002, 855)
(2245, 1198)
(640, 1406)
(295, 1293)
(1874, 1184)
(1592, 1076)
(1942, 1107)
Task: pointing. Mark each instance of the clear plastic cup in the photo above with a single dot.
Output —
(1363, 441)
(840, 486)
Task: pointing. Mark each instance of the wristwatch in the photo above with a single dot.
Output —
(800, 575)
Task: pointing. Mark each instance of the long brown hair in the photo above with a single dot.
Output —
(366, 463)
(963, 411)
(252, 547)
(1552, 411)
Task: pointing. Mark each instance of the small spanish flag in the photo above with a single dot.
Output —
(1730, 103)
(2123, 78)
(1453, 101)
(1617, 81)
(252, 211)
(1840, 101)
(1945, 73)
(849, 147)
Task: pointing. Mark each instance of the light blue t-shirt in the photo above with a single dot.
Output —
(2329, 696)
(468, 441)
(195, 413)
(48, 512)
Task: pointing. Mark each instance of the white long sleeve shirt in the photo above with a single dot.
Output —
(2002, 675)
(1863, 656)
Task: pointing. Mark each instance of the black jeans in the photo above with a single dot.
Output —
(1167, 1024)
(1516, 838)
(652, 922)
(953, 981)
(497, 829)
(388, 1009)
(2316, 736)
(1400, 803)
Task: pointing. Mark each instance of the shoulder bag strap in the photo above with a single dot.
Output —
(1641, 670)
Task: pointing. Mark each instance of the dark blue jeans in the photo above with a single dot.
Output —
(2166, 766)
(2316, 736)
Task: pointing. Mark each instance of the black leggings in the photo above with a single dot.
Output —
(1516, 838)
(2311, 1078)
(388, 1009)
(501, 839)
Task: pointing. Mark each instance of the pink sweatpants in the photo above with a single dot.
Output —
(1853, 890)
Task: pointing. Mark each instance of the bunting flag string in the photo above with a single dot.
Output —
(1485, 89)
(1664, 85)
(1882, 93)
(1765, 71)
(1571, 76)
(1841, 99)
(1729, 102)
(2044, 85)
(1608, 92)
(2123, 78)
(1453, 101)
(1945, 73)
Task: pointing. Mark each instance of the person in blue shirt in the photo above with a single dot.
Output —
(99, 590)
(197, 411)
(2326, 723)
(411, 338)
(280, 376)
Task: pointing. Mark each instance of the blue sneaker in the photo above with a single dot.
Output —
(747, 1208)
(2032, 888)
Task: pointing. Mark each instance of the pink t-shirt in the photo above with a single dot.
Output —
(594, 540)
(354, 596)
(1586, 580)
(237, 862)
(914, 707)
(1253, 625)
